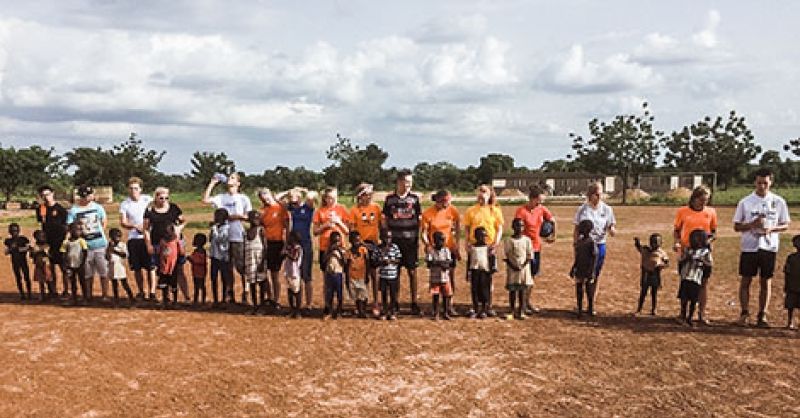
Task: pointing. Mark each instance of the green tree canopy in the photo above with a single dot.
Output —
(25, 168)
(353, 164)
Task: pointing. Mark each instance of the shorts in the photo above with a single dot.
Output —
(236, 253)
(689, 290)
(138, 258)
(481, 286)
(168, 280)
(650, 279)
(516, 287)
(274, 256)
(792, 300)
(359, 289)
(409, 251)
(536, 263)
(56, 256)
(293, 284)
(96, 263)
(601, 259)
(444, 289)
(761, 261)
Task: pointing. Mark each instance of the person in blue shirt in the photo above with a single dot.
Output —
(93, 221)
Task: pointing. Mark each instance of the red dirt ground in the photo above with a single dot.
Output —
(102, 362)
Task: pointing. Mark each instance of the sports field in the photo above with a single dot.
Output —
(96, 361)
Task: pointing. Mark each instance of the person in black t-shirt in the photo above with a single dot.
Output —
(53, 219)
(17, 247)
(401, 213)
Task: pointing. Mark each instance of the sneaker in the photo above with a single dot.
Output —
(522, 317)
(446, 316)
(762, 321)
(704, 322)
(491, 313)
(473, 315)
(452, 312)
(510, 317)
(743, 318)
(392, 317)
(482, 315)
(415, 310)
(532, 310)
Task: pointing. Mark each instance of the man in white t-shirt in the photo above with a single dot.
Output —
(237, 205)
(759, 216)
(131, 218)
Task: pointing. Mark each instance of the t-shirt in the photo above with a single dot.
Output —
(439, 271)
(602, 218)
(168, 256)
(302, 216)
(653, 260)
(293, 261)
(441, 220)
(17, 248)
(91, 218)
(517, 251)
(117, 263)
(54, 223)
(390, 258)
(367, 221)
(235, 204)
(134, 212)
(402, 215)
(334, 261)
(324, 215)
(688, 220)
(478, 258)
(73, 251)
(219, 244)
(792, 271)
(490, 217)
(160, 221)
(532, 219)
(694, 264)
(274, 217)
(775, 212)
(358, 262)
(199, 264)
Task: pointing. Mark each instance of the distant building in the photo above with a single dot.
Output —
(556, 183)
(662, 182)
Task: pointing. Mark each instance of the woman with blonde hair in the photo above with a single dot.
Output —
(301, 211)
(485, 214)
(330, 217)
(157, 218)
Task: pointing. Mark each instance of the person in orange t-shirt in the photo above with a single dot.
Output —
(365, 217)
(275, 220)
(443, 217)
(331, 216)
(696, 215)
(533, 214)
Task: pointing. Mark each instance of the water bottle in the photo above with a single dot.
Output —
(220, 177)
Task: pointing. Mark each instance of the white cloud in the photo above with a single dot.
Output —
(458, 28)
(701, 47)
(707, 37)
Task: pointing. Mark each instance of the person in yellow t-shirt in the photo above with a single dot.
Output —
(486, 214)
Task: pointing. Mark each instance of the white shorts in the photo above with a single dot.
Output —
(96, 263)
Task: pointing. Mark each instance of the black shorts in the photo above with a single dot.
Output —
(274, 256)
(536, 263)
(760, 263)
(409, 251)
(56, 256)
(138, 258)
(650, 278)
(689, 290)
(792, 300)
(169, 281)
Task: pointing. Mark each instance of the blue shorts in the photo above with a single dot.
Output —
(601, 258)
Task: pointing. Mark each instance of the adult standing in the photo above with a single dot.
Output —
(696, 215)
(275, 220)
(487, 214)
(759, 216)
(443, 217)
(603, 222)
(93, 221)
(237, 205)
(301, 216)
(533, 215)
(401, 213)
(365, 217)
(161, 214)
(131, 218)
(53, 219)
(331, 216)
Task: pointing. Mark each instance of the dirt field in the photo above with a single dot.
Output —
(98, 362)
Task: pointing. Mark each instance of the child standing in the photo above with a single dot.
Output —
(169, 250)
(199, 263)
(518, 249)
(17, 247)
(254, 261)
(479, 274)
(791, 286)
(357, 268)
(75, 250)
(654, 259)
(440, 262)
(220, 257)
(116, 253)
(42, 270)
(292, 270)
(583, 269)
(694, 261)
(389, 272)
(333, 261)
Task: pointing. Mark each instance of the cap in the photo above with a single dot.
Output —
(85, 190)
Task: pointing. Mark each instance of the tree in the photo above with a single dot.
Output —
(723, 146)
(206, 164)
(560, 165)
(353, 164)
(25, 167)
(784, 171)
(283, 178)
(627, 146)
(442, 175)
(492, 164)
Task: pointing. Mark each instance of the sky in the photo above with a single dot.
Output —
(272, 83)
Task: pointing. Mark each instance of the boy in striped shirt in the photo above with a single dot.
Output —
(389, 272)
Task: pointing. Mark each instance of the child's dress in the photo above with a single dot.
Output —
(254, 257)
(41, 263)
(168, 261)
(517, 251)
(292, 264)
(652, 263)
(358, 260)
(585, 258)
(439, 272)
(73, 253)
(692, 273)
(199, 263)
(116, 265)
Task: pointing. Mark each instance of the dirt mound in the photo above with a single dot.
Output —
(681, 193)
(512, 193)
(633, 195)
